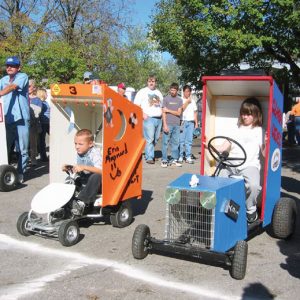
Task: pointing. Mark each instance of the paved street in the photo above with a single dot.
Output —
(101, 265)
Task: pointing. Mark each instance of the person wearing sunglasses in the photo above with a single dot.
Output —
(14, 93)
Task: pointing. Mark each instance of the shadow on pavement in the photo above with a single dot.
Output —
(291, 247)
(139, 206)
(290, 158)
(257, 291)
(37, 171)
(290, 184)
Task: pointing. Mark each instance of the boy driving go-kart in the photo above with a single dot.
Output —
(89, 168)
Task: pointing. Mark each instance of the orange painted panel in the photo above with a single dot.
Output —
(122, 131)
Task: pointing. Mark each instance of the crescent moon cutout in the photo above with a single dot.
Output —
(123, 126)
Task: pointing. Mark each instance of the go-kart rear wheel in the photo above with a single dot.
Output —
(239, 260)
(140, 242)
(8, 178)
(68, 233)
(24, 222)
(123, 216)
(284, 218)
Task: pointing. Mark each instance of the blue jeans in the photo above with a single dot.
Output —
(45, 130)
(18, 133)
(152, 128)
(173, 137)
(186, 138)
(297, 129)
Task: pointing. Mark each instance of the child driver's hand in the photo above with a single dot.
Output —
(78, 168)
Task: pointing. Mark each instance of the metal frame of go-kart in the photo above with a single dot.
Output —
(117, 127)
(222, 96)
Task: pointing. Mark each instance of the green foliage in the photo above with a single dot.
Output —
(56, 62)
(58, 41)
(208, 36)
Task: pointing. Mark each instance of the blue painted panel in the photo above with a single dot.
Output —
(226, 230)
(275, 156)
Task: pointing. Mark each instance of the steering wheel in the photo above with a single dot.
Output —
(69, 169)
(223, 157)
(72, 176)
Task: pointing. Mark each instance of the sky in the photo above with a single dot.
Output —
(141, 16)
(142, 11)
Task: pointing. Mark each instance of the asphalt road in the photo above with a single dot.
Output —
(101, 265)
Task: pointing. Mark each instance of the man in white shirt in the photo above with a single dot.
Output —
(150, 100)
(189, 122)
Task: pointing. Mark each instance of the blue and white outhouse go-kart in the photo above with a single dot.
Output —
(206, 214)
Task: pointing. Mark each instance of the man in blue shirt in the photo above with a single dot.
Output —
(14, 92)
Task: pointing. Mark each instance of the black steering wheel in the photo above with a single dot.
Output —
(73, 178)
(223, 157)
(69, 169)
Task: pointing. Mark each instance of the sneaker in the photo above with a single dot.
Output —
(150, 161)
(33, 162)
(20, 178)
(98, 201)
(164, 164)
(78, 207)
(252, 217)
(180, 160)
(189, 160)
(176, 163)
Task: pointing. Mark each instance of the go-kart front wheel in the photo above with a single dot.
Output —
(284, 218)
(68, 233)
(140, 241)
(239, 260)
(8, 178)
(123, 216)
(23, 223)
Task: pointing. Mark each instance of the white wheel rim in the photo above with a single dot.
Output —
(72, 233)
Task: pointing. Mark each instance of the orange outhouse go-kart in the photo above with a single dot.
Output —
(117, 127)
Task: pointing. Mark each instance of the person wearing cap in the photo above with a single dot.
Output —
(91, 78)
(14, 92)
(122, 89)
(87, 77)
(150, 100)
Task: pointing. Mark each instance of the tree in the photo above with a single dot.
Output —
(20, 26)
(55, 61)
(86, 21)
(208, 36)
(59, 40)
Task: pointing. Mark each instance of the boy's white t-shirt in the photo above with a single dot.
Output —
(188, 113)
(144, 97)
(251, 139)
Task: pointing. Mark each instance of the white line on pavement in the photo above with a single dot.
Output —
(15, 291)
(122, 268)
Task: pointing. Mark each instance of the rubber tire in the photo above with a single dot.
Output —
(239, 260)
(139, 242)
(23, 218)
(65, 229)
(4, 171)
(284, 218)
(123, 217)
